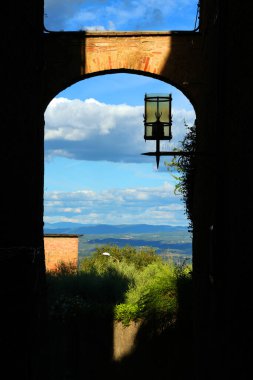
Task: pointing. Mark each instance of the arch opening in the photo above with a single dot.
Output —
(180, 91)
(102, 103)
(99, 122)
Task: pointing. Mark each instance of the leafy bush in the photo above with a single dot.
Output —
(82, 291)
(154, 295)
(62, 268)
(128, 254)
(129, 284)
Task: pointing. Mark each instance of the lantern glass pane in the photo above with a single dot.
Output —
(166, 130)
(164, 110)
(157, 104)
(148, 130)
(151, 109)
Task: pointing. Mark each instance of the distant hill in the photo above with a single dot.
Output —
(77, 228)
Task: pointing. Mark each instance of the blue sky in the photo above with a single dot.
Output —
(94, 170)
(120, 14)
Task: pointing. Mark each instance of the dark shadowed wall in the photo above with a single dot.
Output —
(216, 76)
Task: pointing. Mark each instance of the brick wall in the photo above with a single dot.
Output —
(60, 248)
(175, 57)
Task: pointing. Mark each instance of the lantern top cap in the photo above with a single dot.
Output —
(160, 96)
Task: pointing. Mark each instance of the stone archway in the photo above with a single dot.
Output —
(174, 57)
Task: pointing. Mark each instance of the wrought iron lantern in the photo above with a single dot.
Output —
(157, 117)
(157, 121)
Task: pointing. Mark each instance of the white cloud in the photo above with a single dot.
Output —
(72, 210)
(92, 130)
(156, 205)
(123, 15)
(122, 195)
(75, 120)
(93, 28)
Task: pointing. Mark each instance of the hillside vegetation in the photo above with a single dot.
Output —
(121, 285)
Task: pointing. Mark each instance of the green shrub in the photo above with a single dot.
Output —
(139, 257)
(154, 295)
(129, 285)
(62, 268)
(127, 312)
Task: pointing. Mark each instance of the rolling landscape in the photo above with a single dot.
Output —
(170, 242)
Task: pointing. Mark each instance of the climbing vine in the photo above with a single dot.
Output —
(184, 167)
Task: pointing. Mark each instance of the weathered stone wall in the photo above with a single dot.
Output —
(124, 339)
(60, 248)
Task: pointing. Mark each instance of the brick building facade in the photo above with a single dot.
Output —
(60, 248)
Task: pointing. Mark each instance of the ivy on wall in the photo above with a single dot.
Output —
(182, 168)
